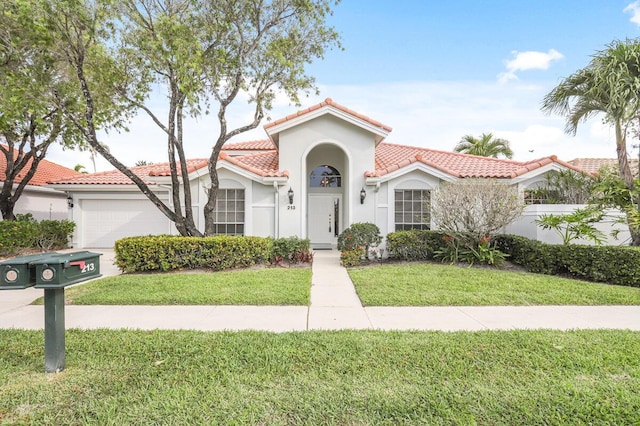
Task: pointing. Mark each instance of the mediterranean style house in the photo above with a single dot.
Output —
(319, 170)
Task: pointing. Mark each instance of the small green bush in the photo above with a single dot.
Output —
(27, 233)
(352, 257)
(55, 234)
(292, 250)
(365, 235)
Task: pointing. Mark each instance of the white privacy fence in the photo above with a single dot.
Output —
(526, 226)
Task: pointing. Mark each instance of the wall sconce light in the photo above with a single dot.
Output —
(70, 201)
(363, 195)
(290, 194)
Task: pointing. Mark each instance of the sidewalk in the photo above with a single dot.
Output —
(334, 305)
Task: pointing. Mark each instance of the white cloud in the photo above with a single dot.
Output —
(530, 60)
(634, 10)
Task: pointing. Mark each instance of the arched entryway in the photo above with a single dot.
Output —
(326, 183)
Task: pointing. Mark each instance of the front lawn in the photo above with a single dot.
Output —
(121, 377)
(267, 286)
(428, 284)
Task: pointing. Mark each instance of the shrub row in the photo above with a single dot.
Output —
(168, 252)
(27, 233)
(415, 244)
(608, 264)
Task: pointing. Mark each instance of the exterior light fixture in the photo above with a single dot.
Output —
(290, 194)
(363, 195)
(70, 201)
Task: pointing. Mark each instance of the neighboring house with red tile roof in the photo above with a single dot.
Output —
(37, 199)
(318, 171)
(593, 165)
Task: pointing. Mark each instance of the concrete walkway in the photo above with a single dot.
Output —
(334, 305)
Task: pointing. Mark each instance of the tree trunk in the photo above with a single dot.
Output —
(6, 207)
(210, 206)
(623, 160)
(625, 173)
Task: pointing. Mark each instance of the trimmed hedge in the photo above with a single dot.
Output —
(415, 244)
(169, 252)
(618, 265)
(607, 264)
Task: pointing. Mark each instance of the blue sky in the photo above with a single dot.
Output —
(435, 71)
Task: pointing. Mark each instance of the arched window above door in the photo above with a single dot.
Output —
(325, 177)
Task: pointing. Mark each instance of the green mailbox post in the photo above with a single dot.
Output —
(51, 272)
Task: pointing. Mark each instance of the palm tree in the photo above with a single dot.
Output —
(485, 146)
(608, 85)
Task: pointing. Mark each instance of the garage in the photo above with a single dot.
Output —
(107, 220)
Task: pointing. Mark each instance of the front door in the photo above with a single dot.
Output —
(324, 220)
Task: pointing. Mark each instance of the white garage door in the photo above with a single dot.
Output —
(105, 221)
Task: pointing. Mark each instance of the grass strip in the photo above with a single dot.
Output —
(428, 284)
(269, 286)
(343, 377)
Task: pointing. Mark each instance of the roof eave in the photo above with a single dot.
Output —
(380, 133)
(417, 165)
(89, 187)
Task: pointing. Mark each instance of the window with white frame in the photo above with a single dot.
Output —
(229, 212)
(412, 209)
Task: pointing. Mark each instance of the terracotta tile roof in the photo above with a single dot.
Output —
(46, 172)
(328, 102)
(392, 157)
(389, 158)
(115, 177)
(593, 165)
(257, 145)
(162, 169)
(263, 164)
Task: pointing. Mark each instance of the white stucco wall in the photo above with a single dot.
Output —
(263, 202)
(43, 204)
(526, 226)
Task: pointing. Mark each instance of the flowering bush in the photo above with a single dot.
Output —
(365, 236)
(352, 257)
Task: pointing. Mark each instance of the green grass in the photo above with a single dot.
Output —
(426, 284)
(269, 286)
(365, 378)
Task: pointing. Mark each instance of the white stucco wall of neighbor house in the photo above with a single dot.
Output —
(43, 204)
(525, 225)
(324, 140)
